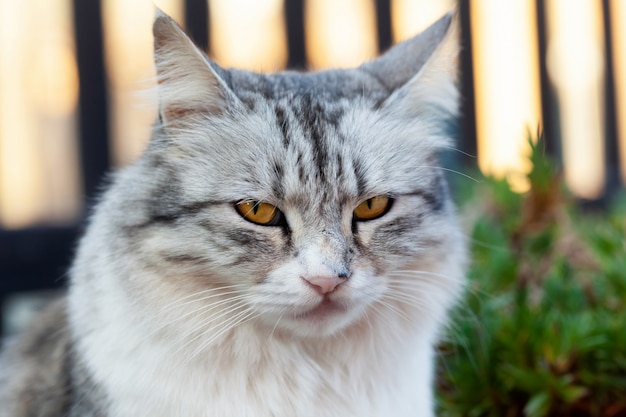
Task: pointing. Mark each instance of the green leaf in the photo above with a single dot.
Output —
(542, 330)
(538, 405)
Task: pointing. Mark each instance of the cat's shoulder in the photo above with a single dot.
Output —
(34, 366)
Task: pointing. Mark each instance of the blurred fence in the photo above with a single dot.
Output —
(96, 128)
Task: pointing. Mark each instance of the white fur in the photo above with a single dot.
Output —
(377, 368)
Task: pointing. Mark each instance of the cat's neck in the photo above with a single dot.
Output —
(325, 376)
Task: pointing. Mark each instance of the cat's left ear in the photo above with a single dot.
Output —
(421, 73)
(188, 84)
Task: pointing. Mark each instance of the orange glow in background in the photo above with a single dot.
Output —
(340, 33)
(38, 96)
(410, 17)
(618, 26)
(127, 29)
(576, 67)
(506, 79)
(255, 40)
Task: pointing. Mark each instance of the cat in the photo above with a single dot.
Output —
(286, 246)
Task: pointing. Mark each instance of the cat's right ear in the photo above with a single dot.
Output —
(421, 73)
(188, 85)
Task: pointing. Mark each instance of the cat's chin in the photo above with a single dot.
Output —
(325, 319)
(326, 309)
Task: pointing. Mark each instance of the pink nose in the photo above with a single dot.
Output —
(324, 284)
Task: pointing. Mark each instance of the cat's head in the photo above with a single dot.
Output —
(304, 202)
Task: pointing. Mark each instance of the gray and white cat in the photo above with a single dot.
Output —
(285, 247)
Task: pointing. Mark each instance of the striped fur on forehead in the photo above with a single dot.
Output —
(304, 150)
(310, 132)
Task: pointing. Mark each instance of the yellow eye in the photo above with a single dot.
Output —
(259, 213)
(372, 208)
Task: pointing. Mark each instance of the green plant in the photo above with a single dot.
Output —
(542, 331)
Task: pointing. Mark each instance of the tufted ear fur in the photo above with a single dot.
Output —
(422, 72)
(188, 84)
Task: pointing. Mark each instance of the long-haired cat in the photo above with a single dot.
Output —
(285, 247)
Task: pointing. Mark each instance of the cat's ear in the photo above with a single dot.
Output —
(188, 84)
(422, 72)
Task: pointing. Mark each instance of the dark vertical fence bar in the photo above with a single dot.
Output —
(93, 119)
(610, 120)
(36, 258)
(197, 22)
(549, 108)
(383, 22)
(467, 136)
(294, 19)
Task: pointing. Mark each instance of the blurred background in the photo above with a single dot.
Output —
(76, 98)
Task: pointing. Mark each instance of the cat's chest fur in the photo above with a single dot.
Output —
(256, 374)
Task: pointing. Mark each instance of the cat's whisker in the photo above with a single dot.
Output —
(201, 293)
(369, 321)
(275, 326)
(454, 328)
(406, 299)
(242, 318)
(420, 282)
(201, 328)
(410, 272)
(416, 278)
(487, 245)
(429, 282)
(414, 282)
(422, 288)
(423, 294)
(421, 306)
(417, 294)
(452, 171)
(238, 302)
(202, 309)
(229, 324)
(455, 149)
(384, 318)
(225, 312)
(433, 283)
(208, 297)
(395, 310)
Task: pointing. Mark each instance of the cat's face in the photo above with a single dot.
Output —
(304, 202)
